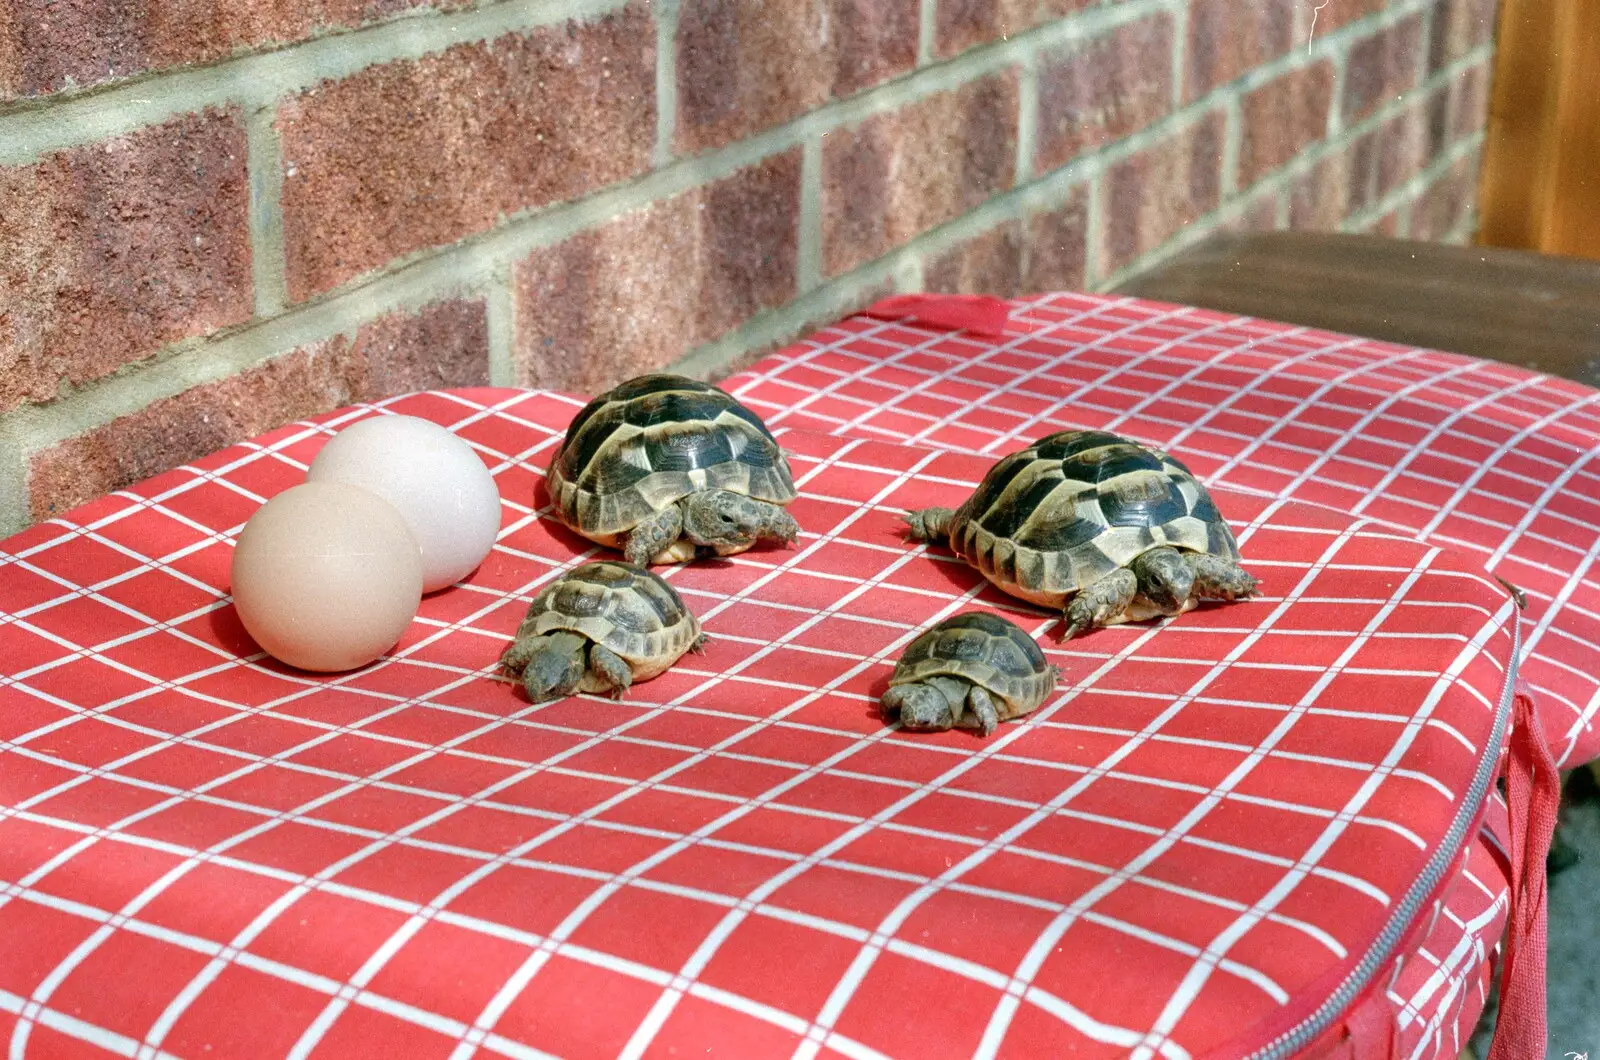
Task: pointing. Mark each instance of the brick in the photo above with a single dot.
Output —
(1281, 118)
(643, 289)
(47, 45)
(1151, 195)
(1459, 26)
(110, 251)
(1058, 243)
(987, 264)
(962, 24)
(1382, 67)
(1340, 184)
(747, 67)
(1092, 94)
(1446, 201)
(1402, 148)
(1331, 15)
(1227, 39)
(443, 345)
(901, 173)
(417, 154)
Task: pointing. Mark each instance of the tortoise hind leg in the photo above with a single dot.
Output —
(1217, 579)
(930, 524)
(653, 536)
(983, 708)
(607, 664)
(1101, 602)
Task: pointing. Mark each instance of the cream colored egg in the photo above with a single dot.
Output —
(326, 576)
(433, 478)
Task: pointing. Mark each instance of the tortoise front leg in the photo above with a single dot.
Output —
(515, 658)
(653, 535)
(1098, 604)
(1217, 579)
(605, 663)
(983, 708)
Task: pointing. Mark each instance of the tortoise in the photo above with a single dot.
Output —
(971, 671)
(600, 627)
(667, 468)
(1102, 527)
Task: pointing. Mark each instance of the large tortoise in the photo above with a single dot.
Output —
(971, 671)
(600, 627)
(667, 468)
(1102, 527)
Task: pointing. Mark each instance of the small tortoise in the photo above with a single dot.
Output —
(971, 671)
(667, 468)
(601, 626)
(1123, 531)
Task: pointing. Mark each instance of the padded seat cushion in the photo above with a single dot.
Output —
(1211, 824)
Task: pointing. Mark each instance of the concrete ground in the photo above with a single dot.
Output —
(1574, 949)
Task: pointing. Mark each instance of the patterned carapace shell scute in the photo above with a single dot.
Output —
(1076, 505)
(629, 610)
(987, 650)
(654, 440)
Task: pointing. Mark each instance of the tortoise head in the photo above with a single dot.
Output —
(920, 707)
(555, 667)
(1165, 579)
(717, 517)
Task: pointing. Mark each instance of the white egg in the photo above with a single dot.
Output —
(433, 478)
(326, 576)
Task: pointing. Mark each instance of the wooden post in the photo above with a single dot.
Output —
(1541, 172)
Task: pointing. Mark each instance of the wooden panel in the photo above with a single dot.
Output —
(1574, 224)
(1538, 311)
(1541, 170)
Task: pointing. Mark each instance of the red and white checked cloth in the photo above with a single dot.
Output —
(1212, 830)
(1489, 459)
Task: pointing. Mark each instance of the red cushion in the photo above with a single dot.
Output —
(1212, 823)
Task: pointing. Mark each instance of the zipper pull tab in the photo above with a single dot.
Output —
(1516, 594)
(1533, 789)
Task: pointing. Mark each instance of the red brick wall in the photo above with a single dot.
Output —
(214, 220)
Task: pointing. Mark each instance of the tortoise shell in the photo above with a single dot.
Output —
(628, 609)
(988, 651)
(1057, 516)
(652, 441)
